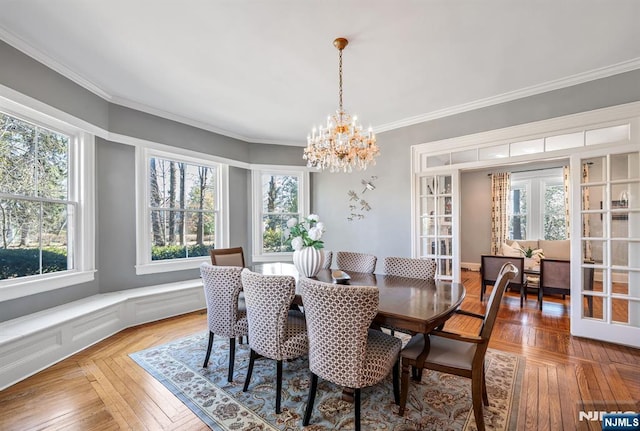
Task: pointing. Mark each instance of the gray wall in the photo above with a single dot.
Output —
(384, 231)
(115, 170)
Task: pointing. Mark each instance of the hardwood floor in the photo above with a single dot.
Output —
(101, 388)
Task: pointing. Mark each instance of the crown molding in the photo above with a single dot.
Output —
(19, 44)
(127, 103)
(580, 78)
(569, 81)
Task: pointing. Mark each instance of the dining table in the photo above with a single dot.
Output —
(411, 305)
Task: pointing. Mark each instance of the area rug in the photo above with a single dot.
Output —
(440, 401)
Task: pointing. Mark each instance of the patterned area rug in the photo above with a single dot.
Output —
(439, 401)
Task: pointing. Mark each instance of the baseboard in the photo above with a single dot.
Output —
(471, 266)
(32, 343)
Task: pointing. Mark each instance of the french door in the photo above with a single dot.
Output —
(606, 245)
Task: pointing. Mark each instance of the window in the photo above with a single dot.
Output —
(182, 217)
(537, 205)
(46, 228)
(278, 196)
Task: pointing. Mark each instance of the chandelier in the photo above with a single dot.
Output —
(341, 145)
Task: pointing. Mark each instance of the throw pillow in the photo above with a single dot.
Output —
(512, 250)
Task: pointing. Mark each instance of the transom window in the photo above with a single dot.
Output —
(182, 219)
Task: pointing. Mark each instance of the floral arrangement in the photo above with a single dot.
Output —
(305, 232)
(529, 252)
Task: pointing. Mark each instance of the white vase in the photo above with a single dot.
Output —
(308, 261)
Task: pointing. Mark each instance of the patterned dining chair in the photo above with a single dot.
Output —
(275, 331)
(457, 354)
(410, 267)
(233, 256)
(342, 347)
(357, 262)
(328, 258)
(222, 287)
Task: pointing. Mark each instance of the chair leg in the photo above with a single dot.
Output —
(485, 396)
(396, 382)
(404, 387)
(540, 299)
(252, 358)
(476, 398)
(278, 385)
(482, 288)
(523, 294)
(356, 401)
(206, 357)
(232, 357)
(310, 399)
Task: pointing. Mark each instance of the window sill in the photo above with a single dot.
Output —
(171, 265)
(275, 257)
(19, 287)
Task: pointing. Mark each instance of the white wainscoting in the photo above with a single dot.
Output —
(32, 343)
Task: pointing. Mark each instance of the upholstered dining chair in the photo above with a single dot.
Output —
(275, 331)
(342, 347)
(233, 256)
(410, 267)
(357, 262)
(222, 287)
(555, 277)
(328, 258)
(458, 354)
(490, 267)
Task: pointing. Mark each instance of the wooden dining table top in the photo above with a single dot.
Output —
(413, 304)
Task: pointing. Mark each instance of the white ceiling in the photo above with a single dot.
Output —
(266, 71)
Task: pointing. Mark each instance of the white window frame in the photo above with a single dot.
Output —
(144, 264)
(81, 192)
(256, 208)
(535, 182)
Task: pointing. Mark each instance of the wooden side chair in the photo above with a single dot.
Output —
(458, 354)
(410, 267)
(555, 277)
(225, 318)
(490, 267)
(342, 347)
(275, 331)
(233, 256)
(357, 262)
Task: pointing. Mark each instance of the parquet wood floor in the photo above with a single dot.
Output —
(101, 388)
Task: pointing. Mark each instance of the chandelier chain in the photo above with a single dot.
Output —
(340, 75)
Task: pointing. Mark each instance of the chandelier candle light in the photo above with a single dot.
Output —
(341, 145)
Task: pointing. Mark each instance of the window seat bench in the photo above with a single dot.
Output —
(36, 341)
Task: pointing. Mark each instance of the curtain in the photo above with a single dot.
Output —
(586, 205)
(500, 188)
(567, 219)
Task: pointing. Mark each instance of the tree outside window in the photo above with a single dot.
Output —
(537, 206)
(182, 209)
(34, 200)
(279, 204)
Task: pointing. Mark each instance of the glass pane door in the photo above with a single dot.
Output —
(608, 306)
(435, 222)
